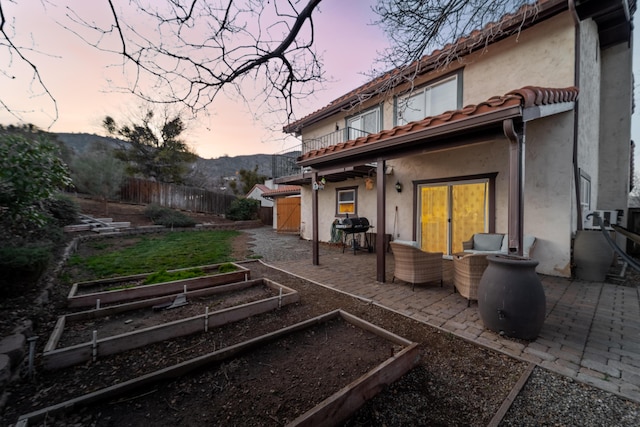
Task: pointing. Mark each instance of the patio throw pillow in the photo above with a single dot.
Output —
(487, 242)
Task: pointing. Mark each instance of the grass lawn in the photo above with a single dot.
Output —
(151, 253)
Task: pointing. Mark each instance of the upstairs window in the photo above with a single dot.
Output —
(429, 100)
(364, 124)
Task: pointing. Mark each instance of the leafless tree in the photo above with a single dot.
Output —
(192, 51)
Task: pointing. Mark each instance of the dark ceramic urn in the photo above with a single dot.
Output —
(511, 299)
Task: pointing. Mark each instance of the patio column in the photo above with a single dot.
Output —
(381, 250)
(515, 134)
(314, 219)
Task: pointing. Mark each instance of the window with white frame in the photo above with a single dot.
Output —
(585, 191)
(346, 201)
(364, 124)
(429, 100)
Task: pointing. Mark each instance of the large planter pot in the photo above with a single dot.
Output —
(511, 299)
(592, 255)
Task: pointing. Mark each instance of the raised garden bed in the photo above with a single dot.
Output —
(115, 327)
(130, 288)
(280, 359)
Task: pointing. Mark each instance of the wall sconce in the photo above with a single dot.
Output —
(398, 187)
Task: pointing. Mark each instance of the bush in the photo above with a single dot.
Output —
(63, 209)
(22, 267)
(243, 210)
(168, 217)
(154, 211)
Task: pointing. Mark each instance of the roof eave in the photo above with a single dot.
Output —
(446, 130)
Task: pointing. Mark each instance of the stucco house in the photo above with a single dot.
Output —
(525, 131)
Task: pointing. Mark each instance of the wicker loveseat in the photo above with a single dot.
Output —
(413, 265)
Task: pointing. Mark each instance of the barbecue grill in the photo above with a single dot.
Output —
(352, 226)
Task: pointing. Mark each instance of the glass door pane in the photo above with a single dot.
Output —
(434, 216)
(469, 212)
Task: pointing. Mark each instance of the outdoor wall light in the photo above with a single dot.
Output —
(398, 187)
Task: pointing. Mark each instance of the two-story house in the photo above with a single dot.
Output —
(528, 128)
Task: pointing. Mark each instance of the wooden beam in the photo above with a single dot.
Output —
(315, 251)
(381, 252)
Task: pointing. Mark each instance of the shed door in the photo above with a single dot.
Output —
(288, 214)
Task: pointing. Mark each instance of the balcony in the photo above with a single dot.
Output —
(284, 164)
(333, 138)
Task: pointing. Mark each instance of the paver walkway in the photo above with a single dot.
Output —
(591, 331)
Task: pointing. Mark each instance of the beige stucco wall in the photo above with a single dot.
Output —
(549, 191)
(615, 128)
(589, 105)
(539, 56)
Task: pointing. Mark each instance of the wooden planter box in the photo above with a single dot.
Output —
(331, 411)
(81, 294)
(56, 358)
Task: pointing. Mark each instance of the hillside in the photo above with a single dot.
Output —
(206, 173)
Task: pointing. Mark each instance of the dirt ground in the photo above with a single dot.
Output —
(455, 383)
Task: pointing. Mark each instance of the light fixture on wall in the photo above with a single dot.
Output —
(398, 187)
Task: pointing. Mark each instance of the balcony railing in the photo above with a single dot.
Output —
(332, 138)
(284, 164)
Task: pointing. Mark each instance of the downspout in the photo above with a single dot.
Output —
(515, 133)
(576, 115)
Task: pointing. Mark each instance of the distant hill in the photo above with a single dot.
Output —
(207, 173)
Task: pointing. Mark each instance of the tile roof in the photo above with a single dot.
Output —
(525, 16)
(526, 97)
(282, 190)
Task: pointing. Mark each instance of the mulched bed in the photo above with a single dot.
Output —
(456, 382)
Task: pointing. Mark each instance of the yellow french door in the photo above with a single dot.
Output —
(451, 213)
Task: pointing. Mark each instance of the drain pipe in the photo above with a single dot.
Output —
(576, 113)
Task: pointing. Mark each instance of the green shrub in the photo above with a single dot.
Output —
(168, 217)
(243, 210)
(63, 209)
(165, 276)
(154, 211)
(22, 267)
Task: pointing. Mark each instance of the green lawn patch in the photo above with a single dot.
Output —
(158, 252)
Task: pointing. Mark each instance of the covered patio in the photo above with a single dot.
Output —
(591, 330)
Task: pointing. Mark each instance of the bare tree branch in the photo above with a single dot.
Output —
(6, 43)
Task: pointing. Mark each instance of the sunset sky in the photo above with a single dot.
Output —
(78, 76)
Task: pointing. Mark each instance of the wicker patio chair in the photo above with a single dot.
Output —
(467, 272)
(413, 265)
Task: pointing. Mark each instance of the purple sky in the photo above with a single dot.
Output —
(77, 76)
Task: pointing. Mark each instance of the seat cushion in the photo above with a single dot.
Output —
(487, 242)
(412, 243)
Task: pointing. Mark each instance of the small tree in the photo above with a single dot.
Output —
(30, 173)
(155, 151)
(99, 173)
(248, 178)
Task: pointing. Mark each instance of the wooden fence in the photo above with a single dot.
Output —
(193, 199)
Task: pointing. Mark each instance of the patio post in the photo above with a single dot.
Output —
(381, 254)
(515, 134)
(314, 219)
